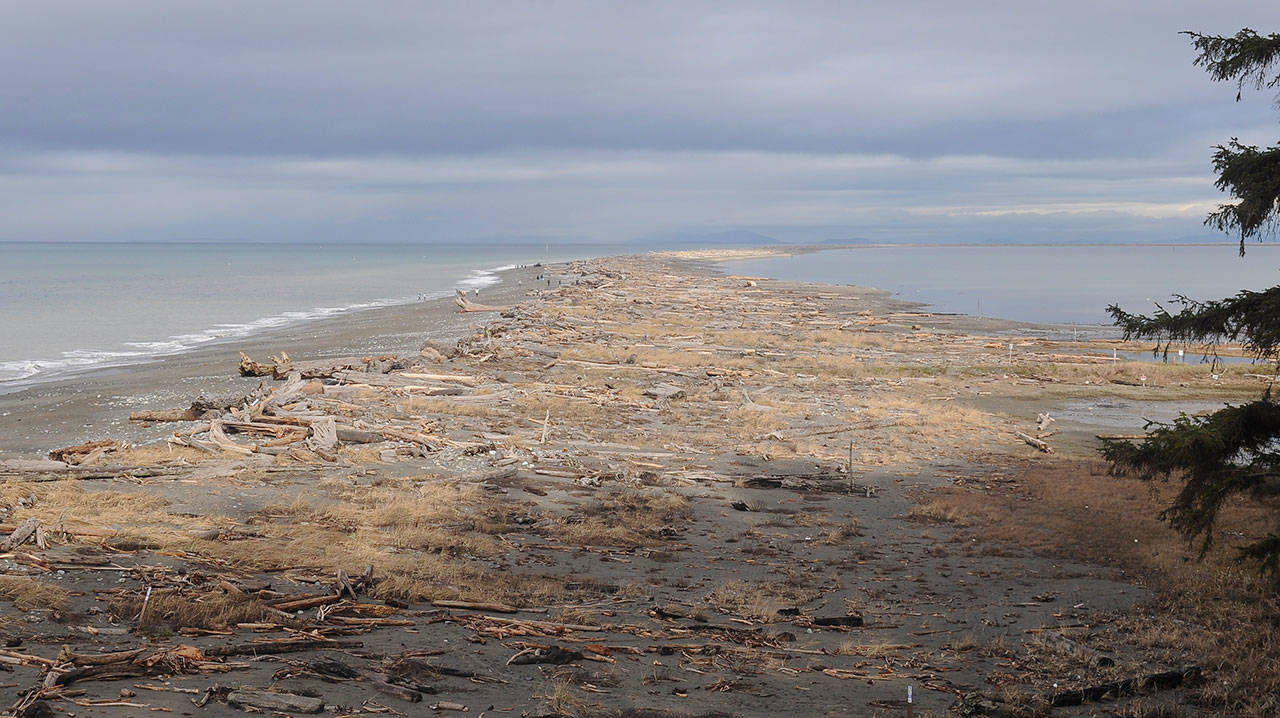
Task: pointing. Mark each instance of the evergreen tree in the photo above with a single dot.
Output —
(1236, 450)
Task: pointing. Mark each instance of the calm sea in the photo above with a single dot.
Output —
(68, 308)
(1049, 284)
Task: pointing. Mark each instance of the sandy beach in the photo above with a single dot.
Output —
(648, 490)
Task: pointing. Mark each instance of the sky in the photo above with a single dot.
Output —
(611, 121)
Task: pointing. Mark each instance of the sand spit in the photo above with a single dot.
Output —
(643, 489)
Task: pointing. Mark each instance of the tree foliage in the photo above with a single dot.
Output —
(1247, 173)
(1235, 451)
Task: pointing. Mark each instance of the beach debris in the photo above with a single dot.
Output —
(476, 606)
(839, 621)
(21, 534)
(158, 415)
(274, 701)
(466, 305)
(86, 453)
(1043, 421)
(279, 367)
(1161, 681)
(552, 654)
(1033, 441)
(664, 392)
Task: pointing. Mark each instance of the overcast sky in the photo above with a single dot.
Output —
(608, 121)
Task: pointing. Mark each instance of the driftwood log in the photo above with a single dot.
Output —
(1033, 441)
(1163, 681)
(466, 305)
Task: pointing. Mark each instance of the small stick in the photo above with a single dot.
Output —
(146, 600)
(546, 426)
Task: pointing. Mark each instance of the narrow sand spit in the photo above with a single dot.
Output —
(642, 489)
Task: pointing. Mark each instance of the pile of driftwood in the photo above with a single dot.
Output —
(311, 411)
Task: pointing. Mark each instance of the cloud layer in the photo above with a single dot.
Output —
(607, 121)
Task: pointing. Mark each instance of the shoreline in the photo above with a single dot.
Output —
(42, 416)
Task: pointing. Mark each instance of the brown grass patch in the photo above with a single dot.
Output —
(627, 518)
(172, 610)
(758, 602)
(1214, 612)
(29, 593)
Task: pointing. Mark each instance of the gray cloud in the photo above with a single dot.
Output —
(294, 121)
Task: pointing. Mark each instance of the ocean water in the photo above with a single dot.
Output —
(1047, 284)
(68, 308)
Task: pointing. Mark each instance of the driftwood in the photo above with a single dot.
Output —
(447, 378)
(277, 647)
(352, 435)
(554, 655)
(20, 535)
(272, 701)
(474, 606)
(324, 435)
(80, 453)
(279, 367)
(845, 621)
(664, 392)
(164, 415)
(1033, 441)
(426, 442)
(466, 305)
(219, 439)
(1162, 681)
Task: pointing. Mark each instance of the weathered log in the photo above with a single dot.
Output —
(276, 647)
(352, 435)
(664, 392)
(305, 603)
(447, 378)
(1163, 681)
(277, 369)
(498, 474)
(476, 606)
(466, 305)
(20, 535)
(554, 655)
(1033, 441)
(272, 701)
(164, 415)
(396, 691)
(422, 440)
(97, 659)
(844, 621)
(193, 443)
(77, 454)
(324, 435)
(326, 368)
(219, 439)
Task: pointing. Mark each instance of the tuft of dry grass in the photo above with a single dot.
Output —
(758, 602)
(29, 593)
(1213, 613)
(870, 650)
(626, 518)
(172, 610)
